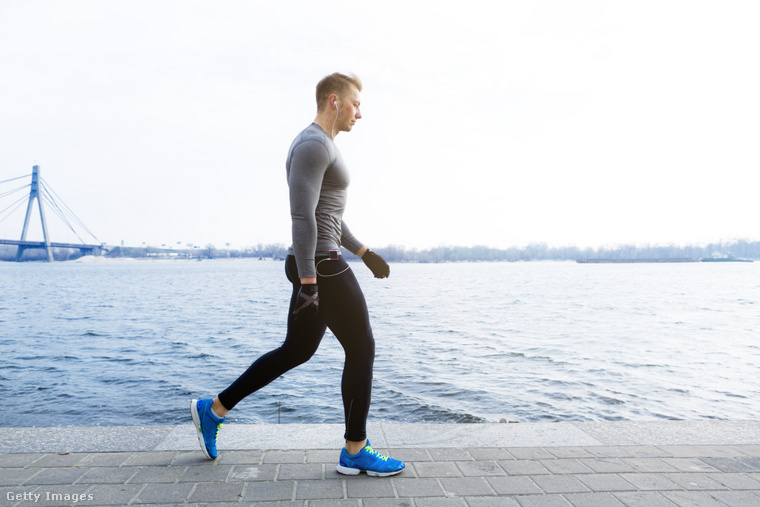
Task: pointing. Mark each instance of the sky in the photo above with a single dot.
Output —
(586, 123)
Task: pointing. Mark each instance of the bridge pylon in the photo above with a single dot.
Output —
(34, 193)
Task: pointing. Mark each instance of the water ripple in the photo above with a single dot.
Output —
(561, 342)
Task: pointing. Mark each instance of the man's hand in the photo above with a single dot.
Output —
(376, 264)
(307, 303)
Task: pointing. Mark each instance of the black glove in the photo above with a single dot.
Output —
(376, 264)
(307, 303)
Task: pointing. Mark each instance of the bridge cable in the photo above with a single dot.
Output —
(12, 179)
(52, 194)
(9, 192)
(79, 222)
(19, 203)
(58, 211)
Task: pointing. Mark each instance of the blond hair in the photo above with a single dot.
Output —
(336, 83)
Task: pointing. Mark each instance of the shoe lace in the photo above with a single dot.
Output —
(218, 427)
(376, 454)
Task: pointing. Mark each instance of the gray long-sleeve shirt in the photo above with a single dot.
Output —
(318, 179)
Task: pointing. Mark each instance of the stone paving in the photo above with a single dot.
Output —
(579, 476)
(567, 475)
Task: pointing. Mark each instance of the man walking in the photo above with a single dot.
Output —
(325, 290)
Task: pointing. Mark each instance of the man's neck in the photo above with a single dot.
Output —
(324, 121)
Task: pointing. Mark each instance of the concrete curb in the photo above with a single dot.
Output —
(383, 435)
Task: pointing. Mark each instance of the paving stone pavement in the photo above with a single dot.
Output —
(644, 474)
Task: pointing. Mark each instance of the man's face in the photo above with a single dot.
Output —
(349, 111)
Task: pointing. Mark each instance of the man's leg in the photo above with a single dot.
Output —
(344, 309)
(301, 342)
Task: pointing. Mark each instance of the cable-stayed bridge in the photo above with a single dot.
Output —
(40, 192)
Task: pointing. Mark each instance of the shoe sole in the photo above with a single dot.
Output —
(355, 471)
(197, 423)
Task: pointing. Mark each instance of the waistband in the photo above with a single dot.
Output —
(333, 255)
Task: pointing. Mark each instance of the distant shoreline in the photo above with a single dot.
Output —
(91, 259)
(652, 261)
(735, 251)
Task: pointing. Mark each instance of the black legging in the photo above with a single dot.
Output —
(343, 309)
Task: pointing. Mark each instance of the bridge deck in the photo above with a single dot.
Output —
(41, 244)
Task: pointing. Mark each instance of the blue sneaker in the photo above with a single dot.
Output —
(207, 423)
(370, 461)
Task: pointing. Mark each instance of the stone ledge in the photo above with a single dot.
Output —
(382, 435)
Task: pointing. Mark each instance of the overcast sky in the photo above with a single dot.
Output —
(495, 123)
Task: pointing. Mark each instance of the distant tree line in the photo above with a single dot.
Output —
(541, 251)
(272, 251)
(741, 249)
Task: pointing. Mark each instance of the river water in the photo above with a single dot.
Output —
(130, 343)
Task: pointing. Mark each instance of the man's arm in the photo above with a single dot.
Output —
(348, 240)
(307, 169)
(373, 261)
